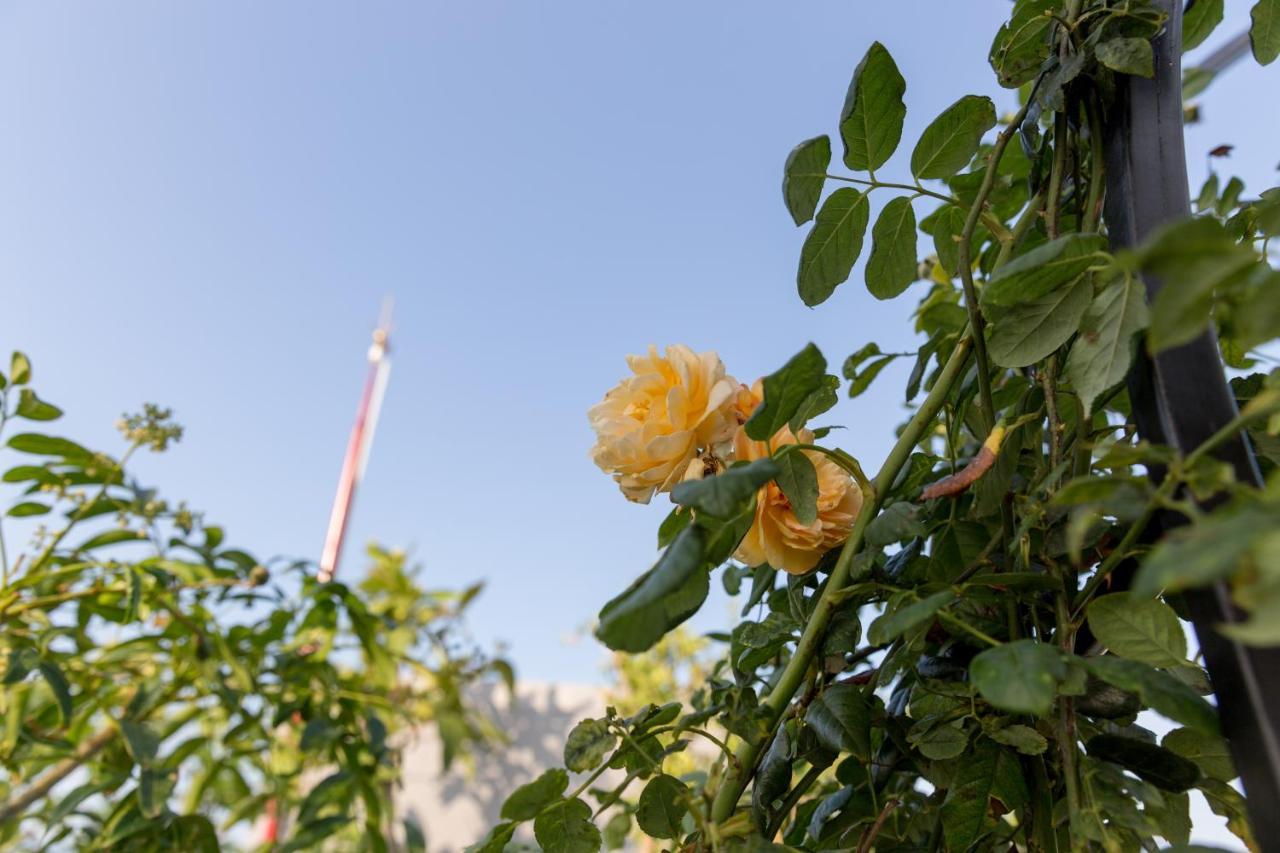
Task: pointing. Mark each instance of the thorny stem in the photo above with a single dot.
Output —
(1049, 382)
(870, 837)
(965, 263)
(736, 779)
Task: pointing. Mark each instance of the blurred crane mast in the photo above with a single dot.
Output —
(357, 455)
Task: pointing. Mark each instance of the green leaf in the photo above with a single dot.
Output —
(725, 494)
(33, 408)
(772, 779)
(1025, 739)
(1264, 34)
(587, 745)
(803, 177)
(1026, 333)
(871, 120)
(942, 742)
(1021, 46)
(1161, 767)
(862, 381)
(495, 841)
(1051, 94)
(785, 391)
(1227, 802)
(48, 445)
(154, 788)
(67, 804)
(660, 599)
(892, 265)
(19, 369)
(898, 522)
(946, 225)
(140, 740)
(989, 772)
(616, 831)
(526, 801)
(311, 834)
(678, 519)
(661, 809)
(1158, 690)
(1128, 56)
(1210, 752)
(798, 480)
(1020, 676)
(566, 827)
(833, 244)
(22, 660)
(893, 624)
(1143, 629)
(815, 404)
(841, 719)
(950, 141)
(1200, 19)
(1199, 554)
(61, 689)
(1101, 355)
(1046, 267)
(28, 508)
(1191, 259)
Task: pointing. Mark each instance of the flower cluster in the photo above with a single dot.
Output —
(680, 417)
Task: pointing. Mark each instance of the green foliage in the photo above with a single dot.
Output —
(892, 265)
(803, 177)
(1264, 34)
(995, 700)
(871, 121)
(833, 245)
(165, 690)
(950, 141)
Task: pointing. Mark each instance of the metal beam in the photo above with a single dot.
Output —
(1180, 397)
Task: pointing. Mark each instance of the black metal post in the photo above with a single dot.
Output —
(1180, 397)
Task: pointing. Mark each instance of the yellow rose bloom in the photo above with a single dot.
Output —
(653, 425)
(776, 537)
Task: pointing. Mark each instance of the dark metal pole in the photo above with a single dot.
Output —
(1180, 398)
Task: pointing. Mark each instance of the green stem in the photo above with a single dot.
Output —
(735, 781)
(1020, 228)
(1049, 382)
(75, 515)
(1164, 494)
(995, 226)
(956, 622)
(976, 320)
(685, 796)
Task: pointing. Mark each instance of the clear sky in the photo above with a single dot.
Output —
(203, 203)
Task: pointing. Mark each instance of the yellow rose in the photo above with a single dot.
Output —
(776, 537)
(652, 425)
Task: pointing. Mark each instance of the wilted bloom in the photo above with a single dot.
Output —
(652, 425)
(776, 537)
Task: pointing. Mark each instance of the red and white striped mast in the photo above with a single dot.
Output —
(353, 464)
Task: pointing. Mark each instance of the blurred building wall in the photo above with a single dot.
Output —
(456, 809)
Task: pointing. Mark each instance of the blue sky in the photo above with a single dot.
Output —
(202, 204)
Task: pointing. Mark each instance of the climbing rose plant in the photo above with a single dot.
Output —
(165, 690)
(965, 650)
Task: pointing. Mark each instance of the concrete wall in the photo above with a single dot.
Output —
(458, 808)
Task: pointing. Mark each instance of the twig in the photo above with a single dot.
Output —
(869, 836)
